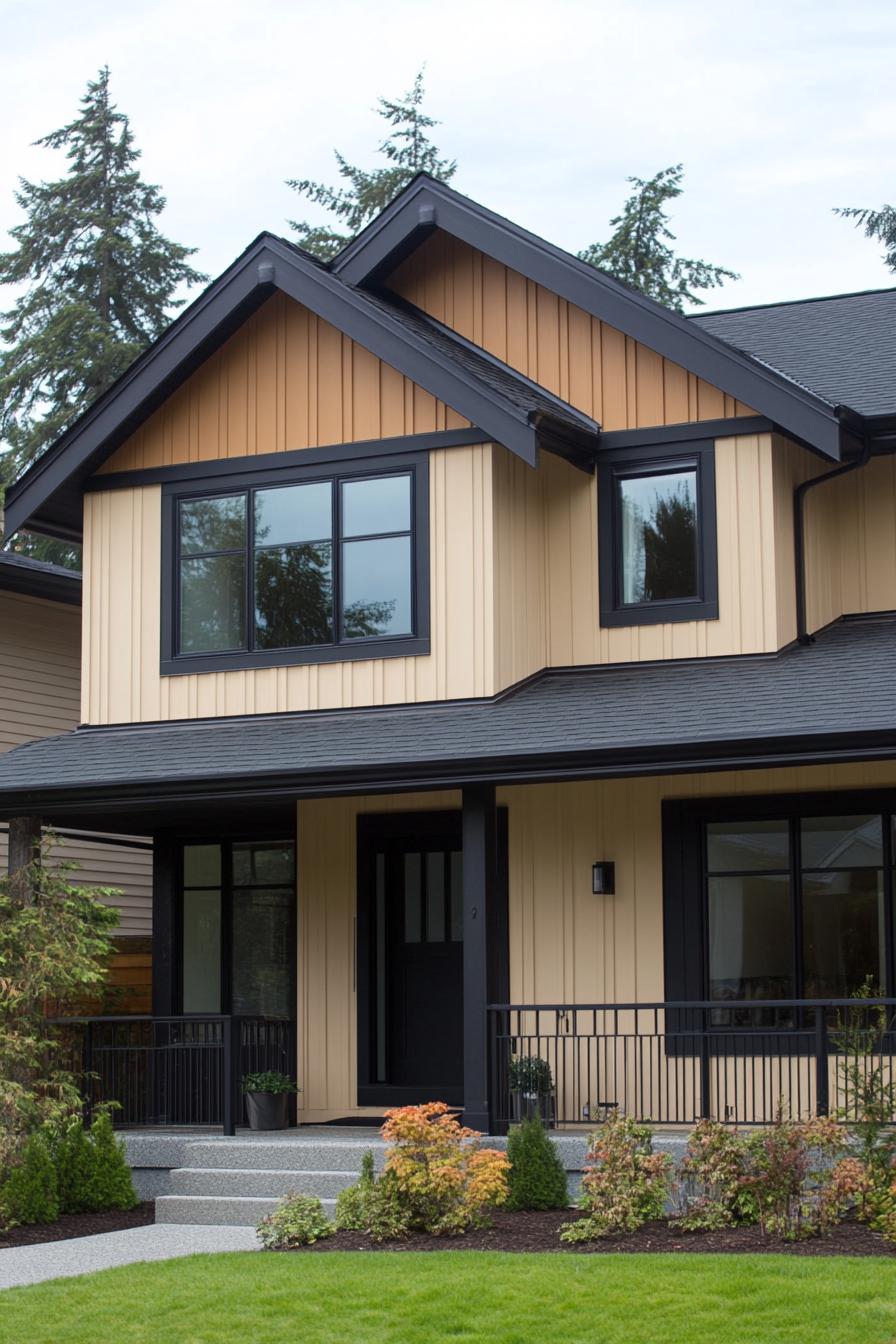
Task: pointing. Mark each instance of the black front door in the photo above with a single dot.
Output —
(411, 960)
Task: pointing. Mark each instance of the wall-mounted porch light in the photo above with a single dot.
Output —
(603, 878)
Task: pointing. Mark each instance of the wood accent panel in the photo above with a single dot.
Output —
(40, 654)
(128, 985)
(122, 557)
(566, 945)
(622, 384)
(285, 380)
(546, 568)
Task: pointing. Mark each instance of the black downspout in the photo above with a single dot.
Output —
(799, 532)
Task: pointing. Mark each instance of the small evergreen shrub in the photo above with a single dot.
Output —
(438, 1178)
(626, 1184)
(354, 1205)
(537, 1179)
(298, 1220)
(91, 1168)
(29, 1192)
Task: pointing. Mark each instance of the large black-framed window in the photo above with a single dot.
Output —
(657, 548)
(783, 897)
(236, 918)
(296, 565)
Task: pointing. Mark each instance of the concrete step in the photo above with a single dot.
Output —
(282, 1154)
(259, 1183)
(220, 1210)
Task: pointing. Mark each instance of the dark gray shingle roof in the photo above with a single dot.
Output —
(837, 689)
(38, 578)
(843, 348)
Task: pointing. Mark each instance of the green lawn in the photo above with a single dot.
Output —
(371, 1298)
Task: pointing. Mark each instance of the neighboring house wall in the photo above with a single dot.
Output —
(39, 696)
(566, 944)
(611, 377)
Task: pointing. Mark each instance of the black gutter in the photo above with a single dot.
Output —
(799, 531)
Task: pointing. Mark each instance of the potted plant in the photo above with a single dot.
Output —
(531, 1089)
(267, 1098)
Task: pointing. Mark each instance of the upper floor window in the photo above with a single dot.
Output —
(657, 543)
(293, 571)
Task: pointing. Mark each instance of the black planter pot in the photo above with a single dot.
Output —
(267, 1110)
(526, 1105)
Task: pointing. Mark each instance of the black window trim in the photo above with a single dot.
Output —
(396, 646)
(685, 905)
(697, 455)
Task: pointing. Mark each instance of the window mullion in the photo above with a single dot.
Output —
(887, 823)
(250, 570)
(796, 899)
(336, 556)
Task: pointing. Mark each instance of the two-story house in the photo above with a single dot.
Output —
(486, 647)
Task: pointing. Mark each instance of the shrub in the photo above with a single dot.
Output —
(354, 1205)
(298, 1220)
(791, 1176)
(712, 1176)
(278, 1084)
(29, 1193)
(91, 1168)
(625, 1186)
(536, 1179)
(870, 1096)
(531, 1076)
(437, 1178)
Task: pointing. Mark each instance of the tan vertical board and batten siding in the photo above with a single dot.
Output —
(850, 532)
(546, 568)
(122, 620)
(622, 384)
(285, 380)
(566, 944)
(40, 649)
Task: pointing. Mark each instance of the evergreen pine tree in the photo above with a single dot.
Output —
(100, 280)
(29, 1193)
(408, 151)
(639, 251)
(537, 1178)
(112, 1186)
(878, 224)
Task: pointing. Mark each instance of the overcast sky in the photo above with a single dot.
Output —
(779, 111)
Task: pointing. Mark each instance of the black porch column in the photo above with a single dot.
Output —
(164, 933)
(480, 875)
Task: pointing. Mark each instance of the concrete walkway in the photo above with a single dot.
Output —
(83, 1255)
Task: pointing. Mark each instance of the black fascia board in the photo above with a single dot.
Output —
(269, 264)
(395, 233)
(50, 582)
(262, 790)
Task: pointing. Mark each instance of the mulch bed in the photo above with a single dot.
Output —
(540, 1232)
(79, 1225)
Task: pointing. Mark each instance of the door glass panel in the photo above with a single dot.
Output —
(202, 951)
(843, 943)
(380, 1022)
(413, 899)
(261, 863)
(455, 871)
(435, 897)
(750, 939)
(263, 952)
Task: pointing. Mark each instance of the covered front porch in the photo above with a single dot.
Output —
(451, 945)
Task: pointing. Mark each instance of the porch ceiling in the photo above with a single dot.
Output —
(832, 700)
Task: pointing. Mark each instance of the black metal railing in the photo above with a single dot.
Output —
(675, 1063)
(176, 1071)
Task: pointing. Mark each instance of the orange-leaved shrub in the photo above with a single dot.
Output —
(626, 1183)
(437, 1178)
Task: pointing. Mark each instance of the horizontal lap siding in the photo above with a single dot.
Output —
(286, 380)
(122, 618)
(611, 377)
(566, 944)
(40, 697)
